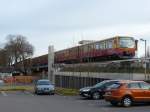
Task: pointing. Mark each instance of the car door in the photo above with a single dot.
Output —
(102, 87)
(146, 91)
(135, 91)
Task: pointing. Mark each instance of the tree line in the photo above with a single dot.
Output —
(16, 52)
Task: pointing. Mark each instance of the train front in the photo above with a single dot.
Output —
(127, 47)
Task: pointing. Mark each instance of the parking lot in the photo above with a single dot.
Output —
(28, 102)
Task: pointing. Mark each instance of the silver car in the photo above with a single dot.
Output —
(44, 87)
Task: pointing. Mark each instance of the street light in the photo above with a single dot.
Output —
(145, 46)
(145, 56)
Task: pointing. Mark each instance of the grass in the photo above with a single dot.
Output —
(16, 88)
(59, 91)
(67, 92)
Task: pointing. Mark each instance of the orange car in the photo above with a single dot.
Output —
(127, 92)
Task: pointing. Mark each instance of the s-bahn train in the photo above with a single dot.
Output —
(119, 47)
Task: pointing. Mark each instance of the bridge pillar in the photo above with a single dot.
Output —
(51, 76)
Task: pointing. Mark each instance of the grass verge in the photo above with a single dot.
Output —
(59, 91)
(66, 91)
(16, 88)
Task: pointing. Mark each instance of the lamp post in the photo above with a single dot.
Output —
(145, 56)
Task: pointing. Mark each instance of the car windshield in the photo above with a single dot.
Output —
(127, 42)
(100, 84)
(43, 83)
(114, 86)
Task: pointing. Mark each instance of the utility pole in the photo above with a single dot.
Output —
(145, 58)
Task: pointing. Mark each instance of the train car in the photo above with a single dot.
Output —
(119, 47)
(40, 63)
(67, 56)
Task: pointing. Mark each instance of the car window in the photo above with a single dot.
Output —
(43, 83)
(134, 86)
(100, 84)
(110, 83)
(114, 86)
(104, 84)
(145, 85)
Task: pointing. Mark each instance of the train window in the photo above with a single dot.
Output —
(85, 48)
(102, 45)
(81, 49)
(91, 46)
(106, 44)
(110, 44)
(97, 46)
(69, 51)
(127, 42)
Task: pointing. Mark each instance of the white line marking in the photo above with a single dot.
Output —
(3, 93)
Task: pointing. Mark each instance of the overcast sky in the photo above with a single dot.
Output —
(63, 23)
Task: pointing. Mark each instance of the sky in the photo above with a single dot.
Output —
(63, 23)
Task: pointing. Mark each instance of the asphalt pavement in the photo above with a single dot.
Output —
(28, 102)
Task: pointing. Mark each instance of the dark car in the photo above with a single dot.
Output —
(97, 91)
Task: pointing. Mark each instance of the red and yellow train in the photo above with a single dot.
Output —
(118, 47)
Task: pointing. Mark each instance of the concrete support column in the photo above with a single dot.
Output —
(51, 76)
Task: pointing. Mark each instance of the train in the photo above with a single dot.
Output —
(118, 47)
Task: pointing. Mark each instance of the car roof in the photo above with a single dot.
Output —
(125, 81)
(129, 81)
(43, 80)
(119, 80)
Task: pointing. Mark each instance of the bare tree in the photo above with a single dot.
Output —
(3, 58)
(18, 51)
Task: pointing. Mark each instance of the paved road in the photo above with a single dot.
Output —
(28, 102)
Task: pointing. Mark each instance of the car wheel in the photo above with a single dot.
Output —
(96, 95)
(126, 101)
(114, 103)
(35, 92)
(51, 93)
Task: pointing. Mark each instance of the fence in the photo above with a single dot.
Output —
(20, 79)
(81, 75)
(75, 82)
